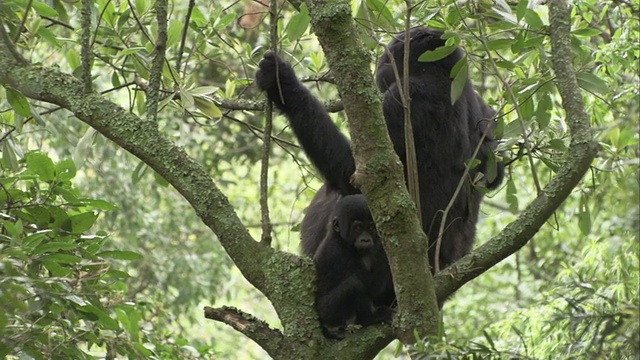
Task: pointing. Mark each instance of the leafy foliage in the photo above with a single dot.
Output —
(61, 293)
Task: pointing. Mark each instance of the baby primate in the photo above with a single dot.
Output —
(354, 283)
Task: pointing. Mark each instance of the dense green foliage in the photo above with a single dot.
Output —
(100, 258)
(63, 294)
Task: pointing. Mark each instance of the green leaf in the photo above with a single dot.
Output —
(139, 63)
(53, 247)
(584, 217)
(460, 80)
(587, 32)
(298, 24)
(62, 12)
(40, 164)
(139, 172)
(41, 216)
(55, 268)
(203, 90)
(557, 144)
(491, 167)
(489, 339)
(526, 107)
(521, 9)
(550, 164)
(121, 255)
(499, 44)
(18, 102)
(187, 100)
(118, 274)
(533, 19)
(66, 169)
(143, 350)
(453, 16)
(46, 34)
(115, 79)
(34, 239)
(82, 222)
(498, 132)
(13, 229)
(9, 158)
(122, 317)
(198, 18)
(207, 107)
(44, 9)
(103, 317)
(160, 180)
(130, 318)
(438, 53)
(67, 193)
(379, 8)
(60, 219)
(73, 58)
(174, 32)
(224, 21)
(627, 137)
(543, 116)
(141, 6)
(592, 83)
(63, 258)
(518, 44)
(75, 299)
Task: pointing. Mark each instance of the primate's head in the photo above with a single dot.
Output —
(422, 39)
(354, 224)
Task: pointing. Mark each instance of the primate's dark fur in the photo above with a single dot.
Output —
(354, 281)
(445, 136)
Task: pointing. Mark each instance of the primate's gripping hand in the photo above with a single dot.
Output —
(277, 78)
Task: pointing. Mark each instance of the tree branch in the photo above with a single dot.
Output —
(331, 106)
(271, 340)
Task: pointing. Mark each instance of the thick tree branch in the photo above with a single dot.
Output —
(331, 106)
(581, 152)
(259, 331)
(378, 169)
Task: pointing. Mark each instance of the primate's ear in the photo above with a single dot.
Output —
(335, 225)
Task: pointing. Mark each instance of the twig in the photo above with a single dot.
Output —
(266, 138)
(85, 52)
(155, 76)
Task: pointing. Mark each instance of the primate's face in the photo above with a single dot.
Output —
(363, 234)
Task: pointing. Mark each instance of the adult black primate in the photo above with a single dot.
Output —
(445, 136)
(354, 283)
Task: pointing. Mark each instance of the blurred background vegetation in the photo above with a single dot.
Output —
(99, 257)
